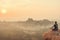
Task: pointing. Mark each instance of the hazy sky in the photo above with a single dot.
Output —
(36, 9)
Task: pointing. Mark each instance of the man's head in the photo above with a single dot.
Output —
(55, 22)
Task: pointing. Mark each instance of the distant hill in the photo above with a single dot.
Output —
(43, 22)
(30, 21)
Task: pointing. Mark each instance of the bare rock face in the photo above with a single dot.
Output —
(52, 35)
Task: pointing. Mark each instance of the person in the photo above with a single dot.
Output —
(55, 26)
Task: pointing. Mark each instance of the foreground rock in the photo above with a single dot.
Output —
(52, 35)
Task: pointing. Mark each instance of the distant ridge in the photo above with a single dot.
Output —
(30, 21)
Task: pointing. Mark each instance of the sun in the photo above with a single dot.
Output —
(3, 11)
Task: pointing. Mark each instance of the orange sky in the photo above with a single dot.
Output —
(36, 9)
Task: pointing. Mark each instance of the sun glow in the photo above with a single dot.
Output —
(3, 11)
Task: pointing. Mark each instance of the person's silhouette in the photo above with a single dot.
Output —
(55, 26)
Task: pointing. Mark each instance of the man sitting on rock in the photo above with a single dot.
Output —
(55, 26)
(55, 29)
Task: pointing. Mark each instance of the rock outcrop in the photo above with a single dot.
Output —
(52, 35)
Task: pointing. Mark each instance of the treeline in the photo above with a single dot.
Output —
(43, 22)
(30, 21)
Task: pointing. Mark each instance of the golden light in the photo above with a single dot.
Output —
(3, 11)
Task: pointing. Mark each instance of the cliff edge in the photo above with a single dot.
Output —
(51, 35)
